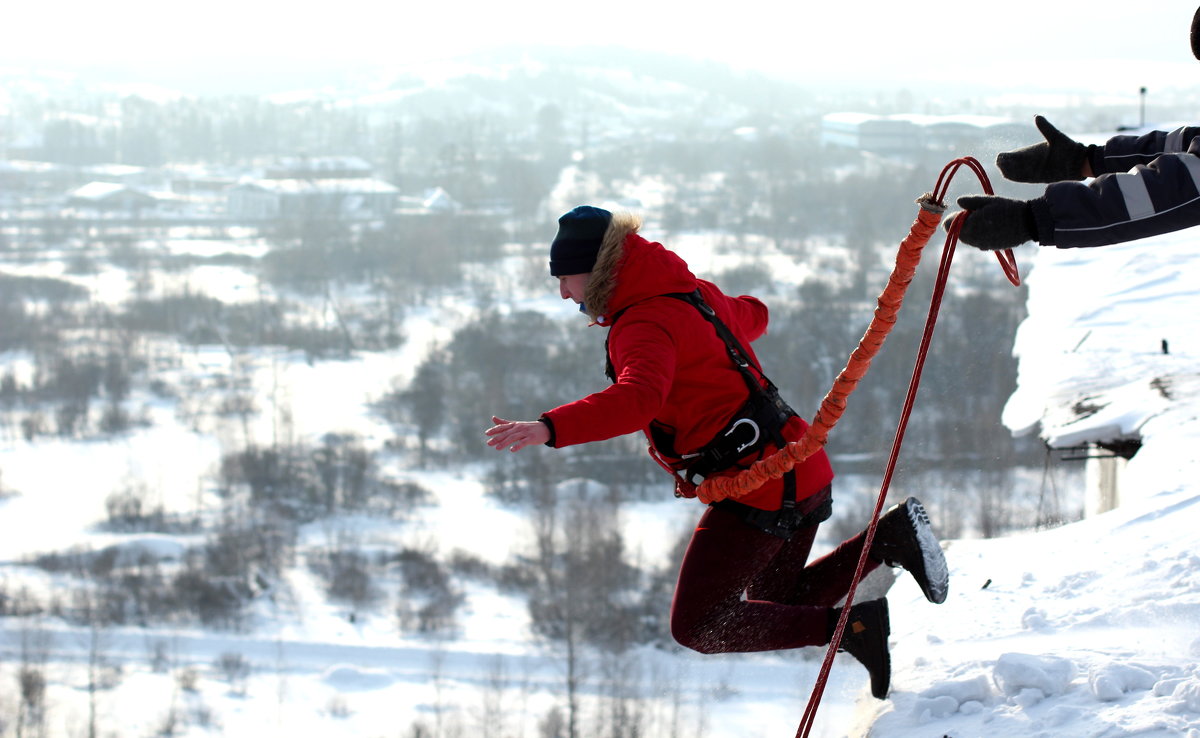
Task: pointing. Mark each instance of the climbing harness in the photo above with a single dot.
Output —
(756, 425)
(932, 206)
(765, 410)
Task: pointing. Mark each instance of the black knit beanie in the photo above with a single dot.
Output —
(580, 233)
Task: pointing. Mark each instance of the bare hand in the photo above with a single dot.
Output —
(516, 433)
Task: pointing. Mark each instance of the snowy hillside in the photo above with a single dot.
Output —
(1091, 629)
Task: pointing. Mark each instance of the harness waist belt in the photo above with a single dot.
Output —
(759, 422)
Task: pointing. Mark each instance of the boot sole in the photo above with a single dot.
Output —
(935, 579)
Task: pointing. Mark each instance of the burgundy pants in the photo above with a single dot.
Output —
(741, 589)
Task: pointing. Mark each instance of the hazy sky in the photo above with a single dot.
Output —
(1035, 43)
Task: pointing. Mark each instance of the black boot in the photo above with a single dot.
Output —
(904, 538)
(866, 639)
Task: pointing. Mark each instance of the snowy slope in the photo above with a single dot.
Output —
(1087, 630)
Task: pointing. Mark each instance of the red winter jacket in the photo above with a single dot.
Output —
(671, 367)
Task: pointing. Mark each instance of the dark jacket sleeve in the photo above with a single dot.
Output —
(1122, 153)
(1147, 185)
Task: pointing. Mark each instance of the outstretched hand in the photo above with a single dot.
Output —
(1056, 159)
(516, 434)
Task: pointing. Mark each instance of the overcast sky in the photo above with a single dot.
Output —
(1032, 43)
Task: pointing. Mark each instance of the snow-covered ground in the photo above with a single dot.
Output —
(1090, 629)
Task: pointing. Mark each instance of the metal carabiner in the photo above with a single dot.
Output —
(752, 441)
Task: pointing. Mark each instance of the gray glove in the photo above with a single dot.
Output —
(1056, 159)
(995, 222)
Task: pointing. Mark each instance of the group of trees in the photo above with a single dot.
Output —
(59, 392)
(403, 258)
(79, 389)
(267, 494)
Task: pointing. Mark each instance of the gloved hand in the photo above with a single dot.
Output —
(1056, 159)
(994, 222)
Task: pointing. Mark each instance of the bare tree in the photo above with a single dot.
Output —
(31, 683)
(446, 723)
(235, 669)
(492, 715)
(101, 673)
(31, 716)
(623, 686)
(426, 401)
(578, 599)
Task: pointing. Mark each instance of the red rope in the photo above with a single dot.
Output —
(1009, 266)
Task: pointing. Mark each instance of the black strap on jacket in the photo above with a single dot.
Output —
(765, 410)
(758, 422)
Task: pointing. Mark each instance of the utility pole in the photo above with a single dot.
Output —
(1142, 116)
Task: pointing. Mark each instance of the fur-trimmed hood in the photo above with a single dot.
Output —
(630, 269)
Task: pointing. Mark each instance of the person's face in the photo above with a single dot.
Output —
(571, 286)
